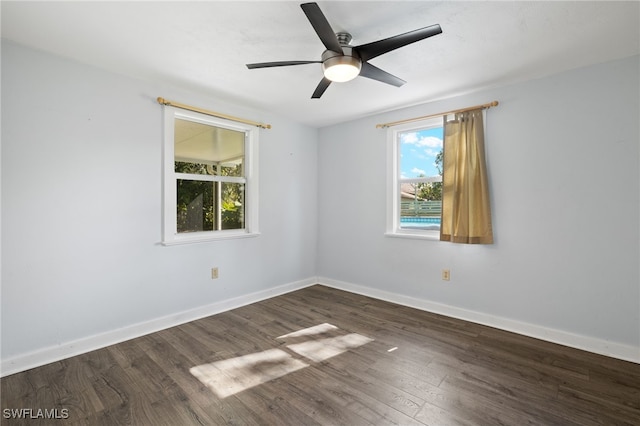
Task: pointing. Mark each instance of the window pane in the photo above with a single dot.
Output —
(207, 149)
(233, 205)
(209, 206)
(196, 206)
(420, 168)
(420, 153)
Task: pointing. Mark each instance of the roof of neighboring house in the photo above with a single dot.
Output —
(407, 190)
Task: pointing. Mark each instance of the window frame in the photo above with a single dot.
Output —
(170, 236)
(393, 228)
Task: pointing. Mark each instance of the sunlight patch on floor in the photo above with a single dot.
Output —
(230, 376)
(316, 329)
(320, 350)
(234, 375)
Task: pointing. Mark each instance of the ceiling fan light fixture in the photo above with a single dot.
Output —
(341, 68)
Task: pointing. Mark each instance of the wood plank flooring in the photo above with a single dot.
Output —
(442, 371)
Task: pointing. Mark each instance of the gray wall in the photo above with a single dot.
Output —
(563, 158)
(81, 207)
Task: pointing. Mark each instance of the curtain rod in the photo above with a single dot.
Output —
(409, 120)
(163, 101)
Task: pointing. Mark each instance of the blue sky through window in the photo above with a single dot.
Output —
(418, 150)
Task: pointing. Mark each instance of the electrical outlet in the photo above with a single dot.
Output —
(214, 273)
(446, 274)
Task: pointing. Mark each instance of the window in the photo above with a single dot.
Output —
(414, 195)
(210, 178)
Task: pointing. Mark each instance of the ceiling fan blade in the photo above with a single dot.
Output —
(376, 73)
(280, 64)
(324, 83)
(321, 25)
(377, 48)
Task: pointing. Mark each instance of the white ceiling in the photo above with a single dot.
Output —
(205, 45)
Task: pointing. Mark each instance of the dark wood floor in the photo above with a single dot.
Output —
(442, 372)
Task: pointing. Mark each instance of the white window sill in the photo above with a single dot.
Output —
(203, 237)
(434, 236)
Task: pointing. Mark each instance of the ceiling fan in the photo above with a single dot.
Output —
(342, 62)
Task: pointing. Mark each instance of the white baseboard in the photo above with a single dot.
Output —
(55, 353)
(590, 344)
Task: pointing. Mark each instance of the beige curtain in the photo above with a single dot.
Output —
(466, 213)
